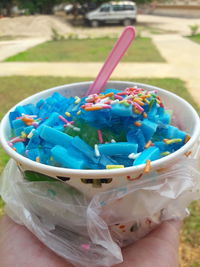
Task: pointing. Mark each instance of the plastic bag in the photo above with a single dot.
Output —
(91, 233)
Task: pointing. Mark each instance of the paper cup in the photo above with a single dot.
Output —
(91, 182)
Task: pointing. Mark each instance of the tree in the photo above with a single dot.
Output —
(46, 6)
(39, 6)
(7, 6)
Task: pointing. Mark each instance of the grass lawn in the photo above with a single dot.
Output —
(88, 50)
(1, 207)
(195, 38)
(15, 88)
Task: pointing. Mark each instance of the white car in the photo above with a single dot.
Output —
(68, 9)
(113, 12)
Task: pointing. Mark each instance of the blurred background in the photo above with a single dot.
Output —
(44, 43)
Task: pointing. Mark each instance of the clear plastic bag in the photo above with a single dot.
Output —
(91, 232)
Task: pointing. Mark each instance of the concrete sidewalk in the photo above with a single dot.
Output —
(183, 55)
(13, 47)
(87, 69)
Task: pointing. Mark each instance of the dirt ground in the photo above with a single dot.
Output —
(41, 26)
(32, 26)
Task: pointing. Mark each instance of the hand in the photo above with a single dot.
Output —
(19, 247)
(158, 249)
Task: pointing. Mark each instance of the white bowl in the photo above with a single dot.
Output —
(187, 120)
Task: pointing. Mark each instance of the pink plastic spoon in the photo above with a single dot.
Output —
(122, 44)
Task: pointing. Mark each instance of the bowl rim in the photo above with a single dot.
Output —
(105, 172)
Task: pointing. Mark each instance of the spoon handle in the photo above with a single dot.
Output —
(122, 44)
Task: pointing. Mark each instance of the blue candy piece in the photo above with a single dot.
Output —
(180, 134)
(88, 116)
(88, 152)
(58, 96)
(45, 154)
(171, 132)
(30, 109)
(153, 111)
(131, 136)
(18, 124)
(18, 131)
(162, 146)
(46, 145)
(120, 148)
(52, 121)
(75, 109)
(84, 148)
(98, 118)
(50, 100)
(64, 157)
(20, 147)
(55, 137)
(121, 110)
(70, 101)
(176, 146)
(116, 124)
(40, 103)
(104, 119)
(160, 111)
(21, 110)
(148, 128)
(128, 122)
(45, 111)
(168, 132)
(122, 160)
(104, 160)
(154, 118)
(151, 153)
(72, 107)
(34, 141)
(28, 129)
(33, 153)
(165, 118)
(12, 116)
(136, 136)
(75, 153)
(59, 128)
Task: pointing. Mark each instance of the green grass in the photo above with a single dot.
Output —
(192, 225)
(195, 264)
(195, 38)
(1, 207)
(15, 88)
(88, 50)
